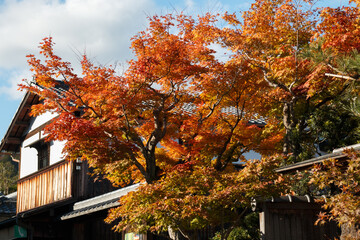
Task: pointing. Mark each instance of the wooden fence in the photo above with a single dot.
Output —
(294, 218)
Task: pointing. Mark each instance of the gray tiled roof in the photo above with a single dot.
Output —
(98, 203)
(336, 154)
(256, 120)
(91, 209)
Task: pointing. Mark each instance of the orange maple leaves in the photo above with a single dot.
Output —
(108, 118)
(343, 204)
(171, 106)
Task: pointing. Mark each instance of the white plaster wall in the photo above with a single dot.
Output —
(56, 152)
(29, 157)
(29, 161)
(30, 140)
(43, 118)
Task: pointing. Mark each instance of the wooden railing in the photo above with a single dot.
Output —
(49, 185)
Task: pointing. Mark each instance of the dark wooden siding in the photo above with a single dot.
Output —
(88, 186)
(295, 221)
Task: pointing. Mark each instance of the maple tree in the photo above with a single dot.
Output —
(192, 197)
(274, 37)
(175, 106)
(179, 113)
(341, 205)
(175, 93)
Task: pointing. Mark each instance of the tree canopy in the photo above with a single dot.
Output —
(179, 115)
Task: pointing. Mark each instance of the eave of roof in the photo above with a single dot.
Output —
(308, 163)
(336, 154)
(20, 122)
(8, 222)
(98, 203)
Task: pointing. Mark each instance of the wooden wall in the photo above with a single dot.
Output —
(49, 185)
(86, 185)
(58, 182)
(295, 221)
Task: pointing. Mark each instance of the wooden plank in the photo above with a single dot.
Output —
(58, 184)
(63, 186)
(276, 232)
(30, 202)
(281, 225)
(310, 225)
(316, 228)
(287, 225)
(43, 189)
(24, 193)
(268, 224)
(18, 197)
(293, 226)
(13, 140)
(33, 183)
(69, 183)
(36, 191)
(69, 179)
(50, 186)
(22, 123)
(262, 223)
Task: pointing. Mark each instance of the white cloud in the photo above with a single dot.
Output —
(102, 28)
(189, 3)
(10, 88)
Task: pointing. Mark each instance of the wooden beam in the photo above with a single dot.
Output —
(5, 153)
(27, 106)
(13, 140)
(22, 123)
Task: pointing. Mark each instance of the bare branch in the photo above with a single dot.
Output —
(341, 76)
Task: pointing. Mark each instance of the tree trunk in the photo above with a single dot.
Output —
(291, 144)
(151, 174)
(173, 234)
(287, 116)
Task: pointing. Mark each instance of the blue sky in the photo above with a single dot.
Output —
(102, 28)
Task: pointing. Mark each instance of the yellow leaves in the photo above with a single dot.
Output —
(231, 18)
(343, 205)
(192, 196)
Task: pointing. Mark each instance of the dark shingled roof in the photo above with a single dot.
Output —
(8, 204)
